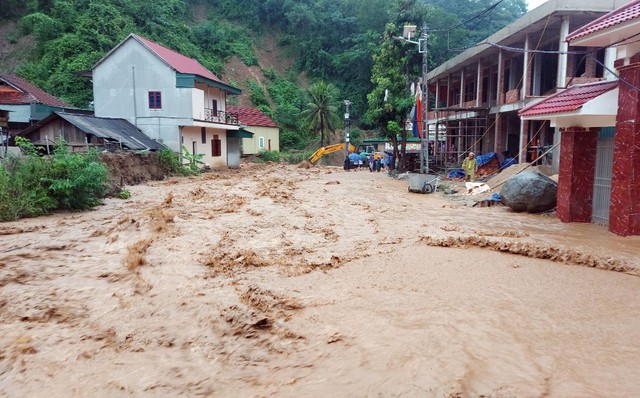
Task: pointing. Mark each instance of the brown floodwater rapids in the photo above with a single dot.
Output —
(279, 281)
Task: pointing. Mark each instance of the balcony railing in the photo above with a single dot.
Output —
(216, 116)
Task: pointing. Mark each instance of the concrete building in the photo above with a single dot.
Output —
(170, 97)
(599, 179)
(479, 92)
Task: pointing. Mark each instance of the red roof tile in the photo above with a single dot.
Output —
(24, 92)
(251, 116)
(177, 61)
(569, 100)
(620, 15)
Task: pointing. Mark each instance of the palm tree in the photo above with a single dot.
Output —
(320, 112)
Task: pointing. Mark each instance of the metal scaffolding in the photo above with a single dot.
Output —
(463, 130)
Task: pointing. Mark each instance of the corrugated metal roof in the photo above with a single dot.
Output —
(569, 100)
(26, 93)
(177, 61)
(251, 116)
(112, 129)
(620, 15)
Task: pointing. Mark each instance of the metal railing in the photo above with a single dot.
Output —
(216, 116)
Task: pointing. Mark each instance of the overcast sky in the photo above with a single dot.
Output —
(534, 3)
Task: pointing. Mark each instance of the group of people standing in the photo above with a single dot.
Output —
(375, 161)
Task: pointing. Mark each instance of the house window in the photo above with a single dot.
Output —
(194, 148)
(155, 100)
(214, 107)
(216, 146)
(261, 142)
(203, 134)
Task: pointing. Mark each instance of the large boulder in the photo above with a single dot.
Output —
(531, 192)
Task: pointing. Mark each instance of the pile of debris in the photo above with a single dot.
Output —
(522, 187)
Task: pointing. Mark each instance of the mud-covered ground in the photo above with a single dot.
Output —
(279, 281)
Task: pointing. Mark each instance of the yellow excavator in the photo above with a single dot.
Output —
(326, 150)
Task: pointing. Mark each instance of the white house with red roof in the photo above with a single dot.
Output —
(266, 133)
(170, 97)
(599, 178)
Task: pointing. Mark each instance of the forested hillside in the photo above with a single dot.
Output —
(329, 40)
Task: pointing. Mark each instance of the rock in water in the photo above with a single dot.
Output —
(531, 192)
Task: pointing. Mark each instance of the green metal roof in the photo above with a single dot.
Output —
(242, 133)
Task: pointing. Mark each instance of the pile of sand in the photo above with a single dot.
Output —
(499, 179)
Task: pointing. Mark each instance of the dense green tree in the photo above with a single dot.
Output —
(321, 110)
(331, 40)
(390, 101)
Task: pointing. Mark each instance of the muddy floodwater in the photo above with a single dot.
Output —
(277, 281)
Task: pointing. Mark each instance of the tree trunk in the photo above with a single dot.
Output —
(321, 130)
(402, 160)
(394, 142)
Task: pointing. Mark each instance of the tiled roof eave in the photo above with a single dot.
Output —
(619, 16)
(569, 100)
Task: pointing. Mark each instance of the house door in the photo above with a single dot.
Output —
(602, 179)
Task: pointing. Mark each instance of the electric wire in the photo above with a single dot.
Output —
(620, 78)
(536, 50)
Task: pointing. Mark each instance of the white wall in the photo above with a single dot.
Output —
(197, 101)
(250, 145)
(233, 154)
(115, 96)
(193, 133)
(211, 93)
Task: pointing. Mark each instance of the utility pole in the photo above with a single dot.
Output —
(347, 124)
(424, 142)
(424, 97)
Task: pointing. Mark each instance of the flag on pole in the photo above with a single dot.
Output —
(417, 117)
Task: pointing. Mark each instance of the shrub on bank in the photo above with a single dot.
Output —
(32, 185)
(76, 181)
(295, 157)
(22, 193)
(171, 164)
(269, 156)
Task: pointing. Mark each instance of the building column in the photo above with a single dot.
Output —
(462, 93)
(609, 60)
(590, 66)
(526, 70)
(437, 94)
(624, 214)
(562, 58)
(479, 82)
(449, 90)
(577, 171)
(524, 140)
(499, 136)
(500, 78)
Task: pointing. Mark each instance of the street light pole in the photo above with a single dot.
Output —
(424, 142)
(347, 124)
(424, 97)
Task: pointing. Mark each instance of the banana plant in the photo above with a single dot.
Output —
(194, 159)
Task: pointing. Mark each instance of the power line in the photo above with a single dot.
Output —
(625, 81)
(522, 50)
(480, 14)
